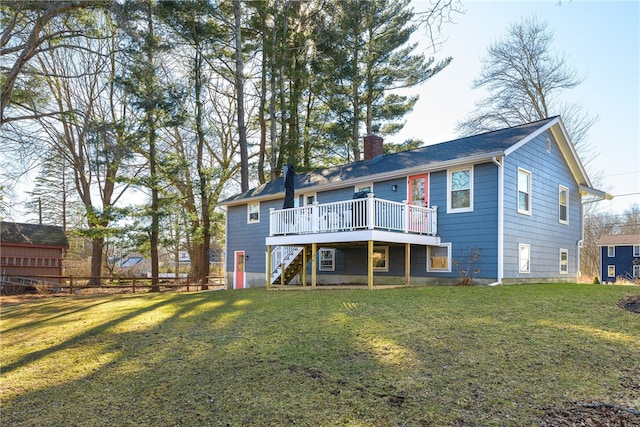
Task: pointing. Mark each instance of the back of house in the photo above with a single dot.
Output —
(499, 207)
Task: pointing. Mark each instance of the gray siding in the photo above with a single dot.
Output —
(542, 229)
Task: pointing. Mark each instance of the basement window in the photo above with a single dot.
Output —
(381, 258)
(327, 259)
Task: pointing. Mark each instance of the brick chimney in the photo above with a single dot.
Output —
(372, 147)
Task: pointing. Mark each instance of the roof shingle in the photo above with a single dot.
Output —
(35, 234)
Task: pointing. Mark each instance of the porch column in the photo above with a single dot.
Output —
(304, 265)
(314, 260)
(370, 265)
(268, 273)
(407, 264)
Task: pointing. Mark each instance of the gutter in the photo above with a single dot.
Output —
(500, 267)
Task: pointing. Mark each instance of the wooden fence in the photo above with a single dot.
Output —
(78, 284)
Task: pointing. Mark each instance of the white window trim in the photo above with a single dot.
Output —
(332, 251)
(609, 267)
(449, 189)
(611, 251)
(386, 258)
(249, 220)
(548, 145)
(306, 196)
(448, 269)
(524, 211)
(562, 188)
(566, 266)
(360, 187)
(636, 250)
(522, 246)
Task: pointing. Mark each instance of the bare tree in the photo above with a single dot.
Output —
(525, 79)
(27, 33)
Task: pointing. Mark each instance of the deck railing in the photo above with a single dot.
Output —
(357, 214)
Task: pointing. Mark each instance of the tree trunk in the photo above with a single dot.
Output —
(96, 261)
(242, 131)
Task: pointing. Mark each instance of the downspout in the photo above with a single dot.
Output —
(498, 163)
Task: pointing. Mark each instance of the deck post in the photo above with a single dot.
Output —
(370, 265)
(268, 267)
(314, 260)
(407, 264)
(371, 215)
(304, 265)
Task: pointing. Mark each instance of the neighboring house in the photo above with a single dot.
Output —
(30, 250)
(619, 257)
(512, 197)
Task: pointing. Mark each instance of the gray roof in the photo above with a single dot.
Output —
(619, 240)
(490, 143)
(32, 234)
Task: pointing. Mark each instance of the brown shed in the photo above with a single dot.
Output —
(28, 250)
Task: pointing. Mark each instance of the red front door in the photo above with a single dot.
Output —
(418, 190)
(238, 276)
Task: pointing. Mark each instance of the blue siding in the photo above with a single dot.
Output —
(249, 237)
(542, 229)
(466, 230)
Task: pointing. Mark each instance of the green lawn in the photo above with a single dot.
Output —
(411, 356)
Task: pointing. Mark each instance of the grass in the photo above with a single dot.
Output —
(412, 356)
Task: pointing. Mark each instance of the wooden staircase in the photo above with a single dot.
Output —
(292, 262)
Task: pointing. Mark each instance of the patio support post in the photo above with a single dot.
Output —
(314, 260)
(407, 264)
(370, 265)
(304, 265)
(268, 267)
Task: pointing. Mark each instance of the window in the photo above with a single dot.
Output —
(611, 251)
(381, 258)
(439, 258)
(309, 199)
(548, 145)
(460, 188)
(636, 250)
(524, 191)
(327, 259)
(364, 187)
(524, 258)
(253, 213)
(611, 271)
(564, 261)
(563, 204)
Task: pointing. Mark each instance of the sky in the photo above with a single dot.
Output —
(601, 40)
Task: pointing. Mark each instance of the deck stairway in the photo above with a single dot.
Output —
(290, 260)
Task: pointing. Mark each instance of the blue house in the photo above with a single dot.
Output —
(619, 257)
(499, 207)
